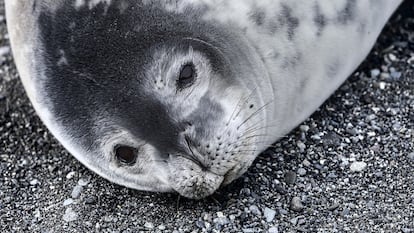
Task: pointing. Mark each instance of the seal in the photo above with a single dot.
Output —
(183, 95)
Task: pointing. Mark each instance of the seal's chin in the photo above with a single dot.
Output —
(192, 181)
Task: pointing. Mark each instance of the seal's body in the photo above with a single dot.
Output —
(183, 95)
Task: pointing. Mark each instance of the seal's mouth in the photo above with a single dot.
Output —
(192, 181)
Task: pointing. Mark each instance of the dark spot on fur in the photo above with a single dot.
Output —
(34, 5)
(292, 61)
(348, 13)
(273, 26)
(303, 83)
(333, 69)
(362, 27)
(258, 16)
(319, 19)
(289, 21)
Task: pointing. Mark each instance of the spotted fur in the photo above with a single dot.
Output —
(102, 73)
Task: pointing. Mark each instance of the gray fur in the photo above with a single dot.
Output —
(103, 73)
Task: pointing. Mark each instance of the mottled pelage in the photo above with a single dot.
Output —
(183, 95)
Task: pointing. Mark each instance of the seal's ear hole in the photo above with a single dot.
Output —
(187, 76)
(125, 154)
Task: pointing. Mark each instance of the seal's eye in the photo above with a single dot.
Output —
(187, 76)
(126, 155)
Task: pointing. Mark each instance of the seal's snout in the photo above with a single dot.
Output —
(191, 180)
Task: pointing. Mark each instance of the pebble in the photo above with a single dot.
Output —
(108, 219)
(161, 227)
(301, 146)
(290, 177)
(90, 200)
(301, 171)
(346, 212)
(411, 156)
(304, 128)
(392, 57)
(70, 175)
(68, 201)
(306, 163)
(149, 225)
(352, 131)
(222, 221)
(249, 230)
(70, 215)
(282, 211)
(83, 181)
(358, 166)
(296, 204)
(316, 137)
(280, 189)
(375, 73)
(411, 60)
(34, 182)
(255, 210)
(76, 192)
(4, 50)
(370, 117)
(396, 126)
(396, 75)
(294, 221)
(200, 224)
(269, 214)
(273, 230)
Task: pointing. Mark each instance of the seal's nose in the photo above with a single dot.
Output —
(190, 181)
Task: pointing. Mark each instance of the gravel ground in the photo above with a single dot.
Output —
(349, 168)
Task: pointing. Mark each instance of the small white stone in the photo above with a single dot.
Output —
(301, 171)
(306, 163)
(68, 201)
(301, 146)
(70, 175)
(411, 156)
(70, 215)
(392, 57)
(375, 73)
(83, 181)
(358, 166)
(4, 50)
(220, 215)
(149, 225)
(76, 192)
(304, 128)
(269, 214)
(316, 137)
(273, 230)
(34, 182)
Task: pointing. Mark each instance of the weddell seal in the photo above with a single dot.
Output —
(183, 95)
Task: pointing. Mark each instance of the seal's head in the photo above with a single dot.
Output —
(150, 99)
